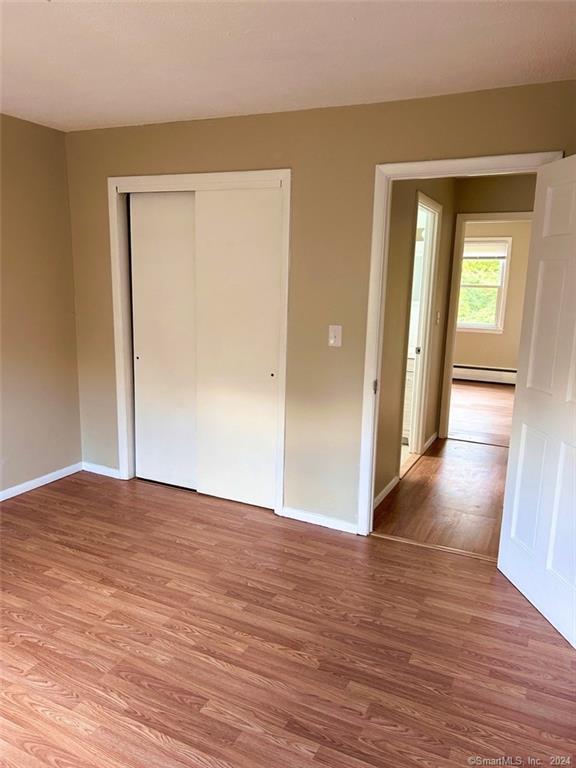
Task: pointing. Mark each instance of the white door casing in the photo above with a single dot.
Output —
(538, 537)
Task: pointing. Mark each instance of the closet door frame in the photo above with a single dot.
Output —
(119, 187)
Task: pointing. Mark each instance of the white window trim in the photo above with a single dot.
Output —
(498, 326)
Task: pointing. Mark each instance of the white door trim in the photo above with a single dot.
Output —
(384, 176)
(461, 220)
(422, 379)
(118, 188)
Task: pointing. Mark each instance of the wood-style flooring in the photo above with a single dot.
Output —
(149, 627)
(481, 413)
(452, 497)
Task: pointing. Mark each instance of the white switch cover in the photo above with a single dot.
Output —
(334, 335)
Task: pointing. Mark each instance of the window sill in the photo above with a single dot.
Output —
(466, 329)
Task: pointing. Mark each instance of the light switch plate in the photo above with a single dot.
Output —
(334, 335)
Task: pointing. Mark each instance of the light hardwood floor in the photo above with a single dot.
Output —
(452, 497)
(481, 413)
(149, 627)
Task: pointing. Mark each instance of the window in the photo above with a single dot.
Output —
(483, 284)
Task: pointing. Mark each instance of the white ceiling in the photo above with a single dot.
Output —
(74, 65)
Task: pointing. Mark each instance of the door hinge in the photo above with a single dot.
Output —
(375, 386)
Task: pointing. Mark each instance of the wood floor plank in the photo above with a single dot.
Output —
(481, 412)
(146, 625)
(452, 498)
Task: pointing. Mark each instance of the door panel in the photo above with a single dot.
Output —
(238, 304)
(542, 363)
(162, 232)
(538, 539)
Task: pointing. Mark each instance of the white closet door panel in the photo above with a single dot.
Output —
(238, 305)
(162, 232)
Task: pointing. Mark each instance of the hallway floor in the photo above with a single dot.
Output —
(481, 413)
(452, 497)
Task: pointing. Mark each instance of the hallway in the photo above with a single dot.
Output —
(481, 413)
(452, 496)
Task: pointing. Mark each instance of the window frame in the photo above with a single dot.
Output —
(498, 326)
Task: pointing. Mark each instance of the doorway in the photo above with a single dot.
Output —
(452, 496)
(385, 175)
(449, 494)
(486, 304)
(533, 535)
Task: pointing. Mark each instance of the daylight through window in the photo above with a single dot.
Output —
(483, 284)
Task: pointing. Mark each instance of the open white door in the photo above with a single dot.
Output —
(423, 288)
(538, 539)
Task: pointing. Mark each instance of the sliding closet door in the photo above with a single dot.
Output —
(162, 233)
(238, 310)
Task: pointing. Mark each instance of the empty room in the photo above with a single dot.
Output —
(288, 384)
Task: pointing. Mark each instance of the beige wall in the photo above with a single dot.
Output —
(499, 350)
(332, 153)
(403, 214)
(487, 194)
(40, 413)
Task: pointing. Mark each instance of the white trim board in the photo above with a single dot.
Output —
(429, 442)
(58, 474)
(395, 480)
(324, 520)
(386, 490)
(194, 182)
(489, 375)
(385, 175)
(118, 188)
(37, 482)
(100, 469)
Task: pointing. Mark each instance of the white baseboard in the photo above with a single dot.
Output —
(324, 520)
(30, 485)
(385, 491)
(101, 469)
(58, 474)
(489, 375)
(395, 480)
(429, 442)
